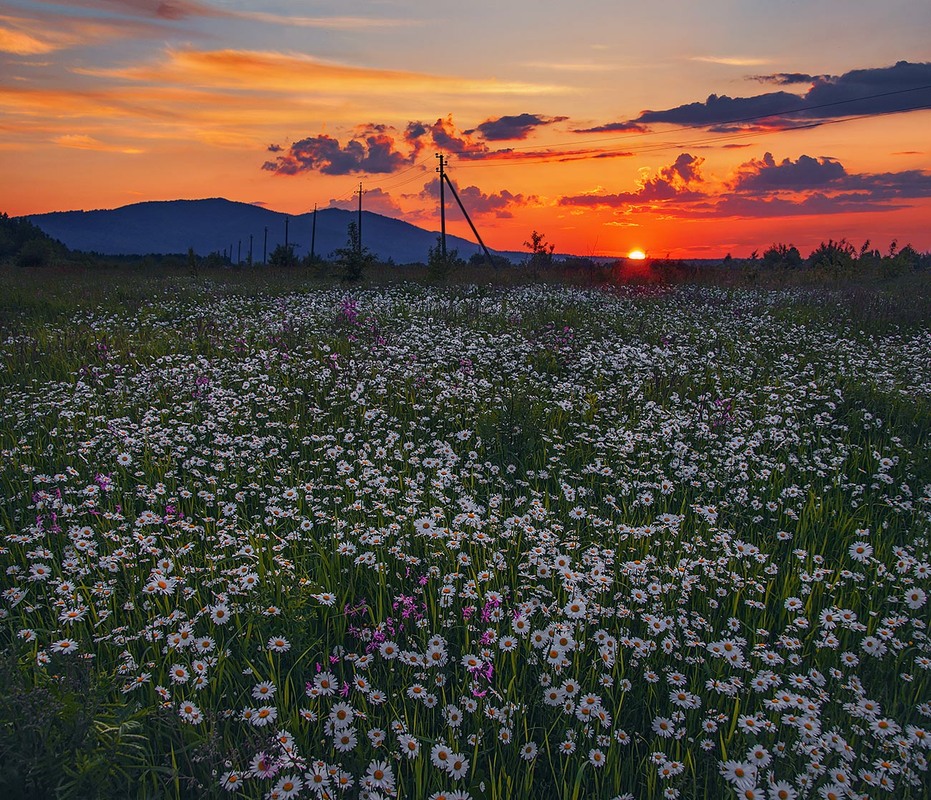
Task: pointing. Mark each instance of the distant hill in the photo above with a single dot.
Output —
(215, 225)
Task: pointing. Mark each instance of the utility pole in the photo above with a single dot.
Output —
(313, 233)
(442, 205)
(361, 192)
(265, 248)
(452, 188)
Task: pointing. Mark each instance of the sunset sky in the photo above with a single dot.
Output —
(680, 127)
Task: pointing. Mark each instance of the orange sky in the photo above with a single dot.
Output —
(763, 126)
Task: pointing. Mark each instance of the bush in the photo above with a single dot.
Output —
(438, 265)
(838, 255)
(35, 253)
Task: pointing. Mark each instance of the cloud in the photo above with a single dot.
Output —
(372, 150)
(678, 181)
(21, 43)
(444, 135)
(40, 33)
(766, 176)
(476, 201)
(377, 200)
(803, 173)
(789, 78)
(295, 73)
(571, 66)
(614, 127)
(380, 149)
(764, 187)
(80, 141)
(815, 204)
(864, 91)
(717, 110)
(154, 9)
(325, 23)
(175, 10)
(732, 61)
(518, 126)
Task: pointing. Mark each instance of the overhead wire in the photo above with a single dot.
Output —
(554, 158)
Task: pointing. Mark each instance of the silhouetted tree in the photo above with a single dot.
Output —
(353, 259)
(780, 255)
(541, 253)
(283, 256)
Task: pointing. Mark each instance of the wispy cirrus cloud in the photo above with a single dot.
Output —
(293, 73)
(177, 10)
(40, 34)
(153, 9)
(80, 141)
(24, 43)
(732, 61)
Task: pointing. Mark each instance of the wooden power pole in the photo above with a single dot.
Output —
(442, 205)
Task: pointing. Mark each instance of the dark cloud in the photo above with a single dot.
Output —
(766, 176)
(372, 150)
(675, 182)
(789, 78)
(765, 187)
(380, 148)
(815, 204)
(614, 127)
(518, 126)
(717, 110)
(803, 173)
(881, 90)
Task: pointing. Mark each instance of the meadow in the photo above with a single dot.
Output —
(274, 540)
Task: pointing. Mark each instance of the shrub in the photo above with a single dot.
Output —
(838, 255)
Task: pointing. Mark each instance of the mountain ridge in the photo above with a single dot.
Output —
(215, 224)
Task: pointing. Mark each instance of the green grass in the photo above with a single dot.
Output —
(698, 463)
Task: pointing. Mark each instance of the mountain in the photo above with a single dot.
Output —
(216, 224)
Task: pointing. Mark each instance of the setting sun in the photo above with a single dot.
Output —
(637, 255)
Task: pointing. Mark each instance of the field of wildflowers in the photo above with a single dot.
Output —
(464, 543)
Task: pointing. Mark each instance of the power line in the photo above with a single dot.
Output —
(549, 157)
(753, 118)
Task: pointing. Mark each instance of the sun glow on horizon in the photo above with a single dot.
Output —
(636, 255)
